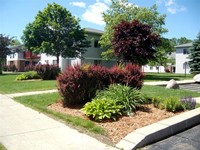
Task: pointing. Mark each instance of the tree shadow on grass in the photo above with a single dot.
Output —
(161, 78)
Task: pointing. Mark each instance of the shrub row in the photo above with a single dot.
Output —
(28, 75)
(12, 68)
(174, 104)
(46, 72)
(79, 84)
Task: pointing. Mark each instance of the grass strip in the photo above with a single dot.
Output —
(152, 77)
(41, 102)
(8, 84)
(162, 92)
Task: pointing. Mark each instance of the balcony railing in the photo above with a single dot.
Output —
(30, 55)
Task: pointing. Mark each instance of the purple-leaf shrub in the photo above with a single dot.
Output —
(189, 102)
(47, 72)
(79, 84)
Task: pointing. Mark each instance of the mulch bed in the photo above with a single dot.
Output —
(116, 130)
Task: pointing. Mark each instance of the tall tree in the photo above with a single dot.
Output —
(194, 56)
(123, 10)
(162, 53)
(5, 42)
(55, 32)
(179, 41)
(15, 42)
(134, 42)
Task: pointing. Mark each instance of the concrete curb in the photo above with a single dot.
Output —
(160, 130)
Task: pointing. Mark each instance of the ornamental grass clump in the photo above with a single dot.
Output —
(113, 102)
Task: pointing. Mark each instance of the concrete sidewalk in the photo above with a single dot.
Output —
(22, 128)
(30, 93)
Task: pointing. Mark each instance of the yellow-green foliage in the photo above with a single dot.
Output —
(28, 75)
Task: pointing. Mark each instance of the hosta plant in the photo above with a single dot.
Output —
(101, 109)
(126, 96)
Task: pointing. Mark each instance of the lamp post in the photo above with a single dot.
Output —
(185, 68)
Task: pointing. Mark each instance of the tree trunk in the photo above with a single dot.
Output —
(57, 59)
(1, 68)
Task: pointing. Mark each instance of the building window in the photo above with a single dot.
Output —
(12, 56)
(11, 62)
(185, 51)
(27, 63)
(185, 65)
(47, 61)
(54, 62)
(96, 43)
(97, 62)
(151, 68)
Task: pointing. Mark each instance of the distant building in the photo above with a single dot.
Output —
(182, 53)
(92, 56)
(168, 68)
(22, 58)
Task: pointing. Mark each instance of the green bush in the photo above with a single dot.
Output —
(100, 109)
(126, 96)
(173, 104)
(28, 75)
(158, 102)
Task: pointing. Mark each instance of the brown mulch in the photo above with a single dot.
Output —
(116, 130)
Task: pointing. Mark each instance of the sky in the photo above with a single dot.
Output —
(182, 16)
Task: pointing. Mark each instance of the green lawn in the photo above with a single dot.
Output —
(9, 85)
(158, 91)
(166, 77)
(40, 103)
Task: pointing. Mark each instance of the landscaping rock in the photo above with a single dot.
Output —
(196, 78)
(172, 84)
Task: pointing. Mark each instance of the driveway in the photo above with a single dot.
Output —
(191, 87)
(187, 140)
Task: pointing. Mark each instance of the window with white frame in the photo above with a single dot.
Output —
(185, 51)
(47, 61)
(54, 62)
(12, 56)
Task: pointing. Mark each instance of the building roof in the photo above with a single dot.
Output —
(184, 45)
(17, 48)
(91, 30)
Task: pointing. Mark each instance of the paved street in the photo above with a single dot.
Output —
(187, 140)
(191, 87)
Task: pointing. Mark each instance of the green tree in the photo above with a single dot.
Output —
(122, 10)
(5, 42)
(179, 41)
(15, 42)
(55, 32)
(194, 63)
(162, 53)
